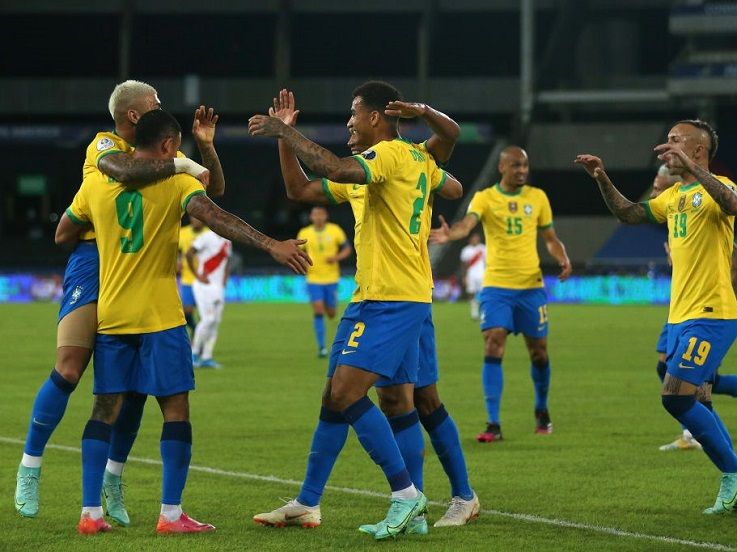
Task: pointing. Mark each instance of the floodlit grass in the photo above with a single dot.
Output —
(601, 467)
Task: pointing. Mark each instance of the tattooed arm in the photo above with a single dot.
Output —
(134, 172)
(725, 196)
(622, 208)
(233, 228)
(321, 161)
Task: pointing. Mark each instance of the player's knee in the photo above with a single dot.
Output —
(394, 402)
(71, 362)
(676, 405)
(427, 400)
(540, 359)
(175, 408)
(330, 311)
(493, 345)
(318, 308)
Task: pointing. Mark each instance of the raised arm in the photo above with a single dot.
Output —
(203, 131)
(233, 228)
(558, 251)
(624, 209)
(724, 195)
(320, 160)
(445, 130)
(298, 186)
(458, 231)
(134, 172)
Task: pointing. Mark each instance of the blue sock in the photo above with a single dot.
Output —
(703, 426)
(126, 427)
(48, 410)
(447, 444)
(375, 435)
(725, 385)
(95, 445)
(540, 374)
(720, 423)
(176, 452)
(408, 435)
(493, 381)
(327, 442)
(319, 324)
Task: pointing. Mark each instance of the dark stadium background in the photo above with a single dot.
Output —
(559, 77)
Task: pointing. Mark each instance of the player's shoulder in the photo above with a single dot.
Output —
(305, 229)
(533, 191)
(725, 180)
(108, 141)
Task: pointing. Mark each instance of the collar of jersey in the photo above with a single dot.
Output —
(499, 188)
(687, 187)
(119, 136)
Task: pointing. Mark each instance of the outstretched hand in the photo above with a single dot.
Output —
(289, 253)
(265, 125)
(593, 165)
(405, 110)
(203, 126)
(284, 108)
(441, 234)
(673, 156)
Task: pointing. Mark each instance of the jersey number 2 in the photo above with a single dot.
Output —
(129, 207)
(417, 206)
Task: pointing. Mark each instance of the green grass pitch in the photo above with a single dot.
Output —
(600, 469)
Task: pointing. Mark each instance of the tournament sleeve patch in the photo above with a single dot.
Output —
(189, 197)
(104, 144)
(366, 169)
(328, 193)
(75, 219)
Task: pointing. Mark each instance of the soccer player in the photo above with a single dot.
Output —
(187, 277)
(473, 257)
(699, 211)
(142, 344)
(513, 298)
(208, 258)
(326, 245)
(332, 429)
(110, 153)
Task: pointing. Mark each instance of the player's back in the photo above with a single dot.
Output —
(137, 237)
(393, 264)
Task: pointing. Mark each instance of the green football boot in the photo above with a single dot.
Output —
(416, 526)
(727, 496)
(112, 490)
(26, 491)
(401, 513)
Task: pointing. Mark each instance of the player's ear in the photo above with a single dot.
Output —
(375, 118)
(133, 116)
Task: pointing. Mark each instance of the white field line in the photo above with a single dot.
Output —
(529, 518)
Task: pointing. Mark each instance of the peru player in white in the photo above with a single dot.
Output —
(212, 253)
(473, 257)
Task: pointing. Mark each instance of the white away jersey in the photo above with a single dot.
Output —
(212, 254)
(475, 258)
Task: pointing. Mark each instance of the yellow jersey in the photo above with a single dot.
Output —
(186, 236)
(104, 143)
(137, 238)
(510, 223)
(700, 237)
(393, 263)
(322, 245)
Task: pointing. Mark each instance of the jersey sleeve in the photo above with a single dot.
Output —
(545, 217)
(199, 242)
(79, 210)
(656, 208)
(466, 254)
(379, 162)
(104, 144)
(336, 192)
(437, 178)
(477, 205)
(188, 187)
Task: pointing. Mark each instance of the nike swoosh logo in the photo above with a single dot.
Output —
(412, 513)
(347, 352)
(295, 517)
(681, 365)
(730, 504)
(35, 421)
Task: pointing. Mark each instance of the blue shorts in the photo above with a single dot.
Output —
(517, 310)
(427, 368)
(662, 345)
(81, 278)
(157, 363)
(185, 292)
(381, 337)
(327, 293)
(697, 347)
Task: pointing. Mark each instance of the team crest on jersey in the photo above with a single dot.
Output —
(512, 206)
(104, 144)
(696, 201)
(682, 203)
(528, 209)
(368, 154)
(76, 294)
